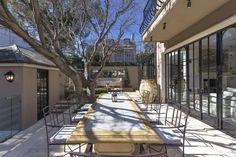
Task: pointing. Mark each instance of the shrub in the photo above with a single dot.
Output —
(100, 90)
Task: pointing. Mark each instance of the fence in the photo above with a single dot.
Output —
(10, 116)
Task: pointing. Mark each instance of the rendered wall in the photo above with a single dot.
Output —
(9, 89)
(56, 82)
(132, 71)
(25, 85)
(29, 97)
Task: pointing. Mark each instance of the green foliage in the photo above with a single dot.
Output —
(121, 64)
(100, 90)
(142, 56)
(76, 61)
(97, 90)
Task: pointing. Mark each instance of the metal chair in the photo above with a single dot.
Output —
(56, 131)
(79, 114)
(174, 128)
(153, 112)
(146, 97)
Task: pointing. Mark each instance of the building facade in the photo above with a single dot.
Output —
(128, 74)
(196, 52)
(126, 52)
(37, 83)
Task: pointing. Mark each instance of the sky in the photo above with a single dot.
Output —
(135, 29)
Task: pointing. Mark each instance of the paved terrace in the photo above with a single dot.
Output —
(201, 141)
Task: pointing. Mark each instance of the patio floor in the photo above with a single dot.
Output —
(201, 141)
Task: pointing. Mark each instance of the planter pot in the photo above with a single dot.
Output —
(151, 86)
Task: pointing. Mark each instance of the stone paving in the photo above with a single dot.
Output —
(202, 140)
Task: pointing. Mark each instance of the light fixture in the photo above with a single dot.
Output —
(9, 76)
(114, 97)
(164, 25)
(151, 38)
(189, 3)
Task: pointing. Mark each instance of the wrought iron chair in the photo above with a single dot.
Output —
(174, 128)
(79, 114)
(56, 130)
(154, 111)
(146, 97)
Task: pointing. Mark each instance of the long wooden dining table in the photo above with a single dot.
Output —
(114, 127)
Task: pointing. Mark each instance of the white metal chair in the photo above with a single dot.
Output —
(174, 128)
(56, 132)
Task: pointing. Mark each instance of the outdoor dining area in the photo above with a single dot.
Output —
(117, 124)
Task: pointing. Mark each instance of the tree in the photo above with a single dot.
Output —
(61, 28)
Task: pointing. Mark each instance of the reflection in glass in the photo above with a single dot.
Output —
(196, 76)
(205, 76)
(183, 76)
(191, 76)
(229, 75)
(212, 75)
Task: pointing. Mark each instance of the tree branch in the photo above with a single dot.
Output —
(38, 17)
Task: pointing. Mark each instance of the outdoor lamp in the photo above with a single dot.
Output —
(164, 25)
(189, 3)
(114, 97)
(9, 76)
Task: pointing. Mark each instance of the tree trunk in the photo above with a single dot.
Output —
(79, 96)
(91, 84)
(92, 87)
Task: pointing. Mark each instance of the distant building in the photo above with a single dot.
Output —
(126, 52)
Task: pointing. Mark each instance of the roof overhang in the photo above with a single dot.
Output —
(28, 66)
(178, 17)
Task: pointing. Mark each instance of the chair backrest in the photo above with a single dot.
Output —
(146, 97)
(177, 116)
(53, 120)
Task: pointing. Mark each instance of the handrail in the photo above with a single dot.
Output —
(149, 12)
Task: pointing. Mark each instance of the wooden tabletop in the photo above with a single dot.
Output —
(114, 122)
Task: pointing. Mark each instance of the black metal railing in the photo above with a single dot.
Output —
(149, 12)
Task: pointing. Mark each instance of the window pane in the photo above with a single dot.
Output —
(196, 76)
(229, 75)
(191, 76)
(205, 76)
(212, 75)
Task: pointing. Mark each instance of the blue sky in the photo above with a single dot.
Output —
(138, 18)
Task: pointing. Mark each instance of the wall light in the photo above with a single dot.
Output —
(10, 76)
(164, 25)
(189, 3)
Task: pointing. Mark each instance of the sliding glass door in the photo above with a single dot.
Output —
(229, 75)
(202, 75)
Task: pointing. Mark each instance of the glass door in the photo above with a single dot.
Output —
(229, 76)
(42, 91)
